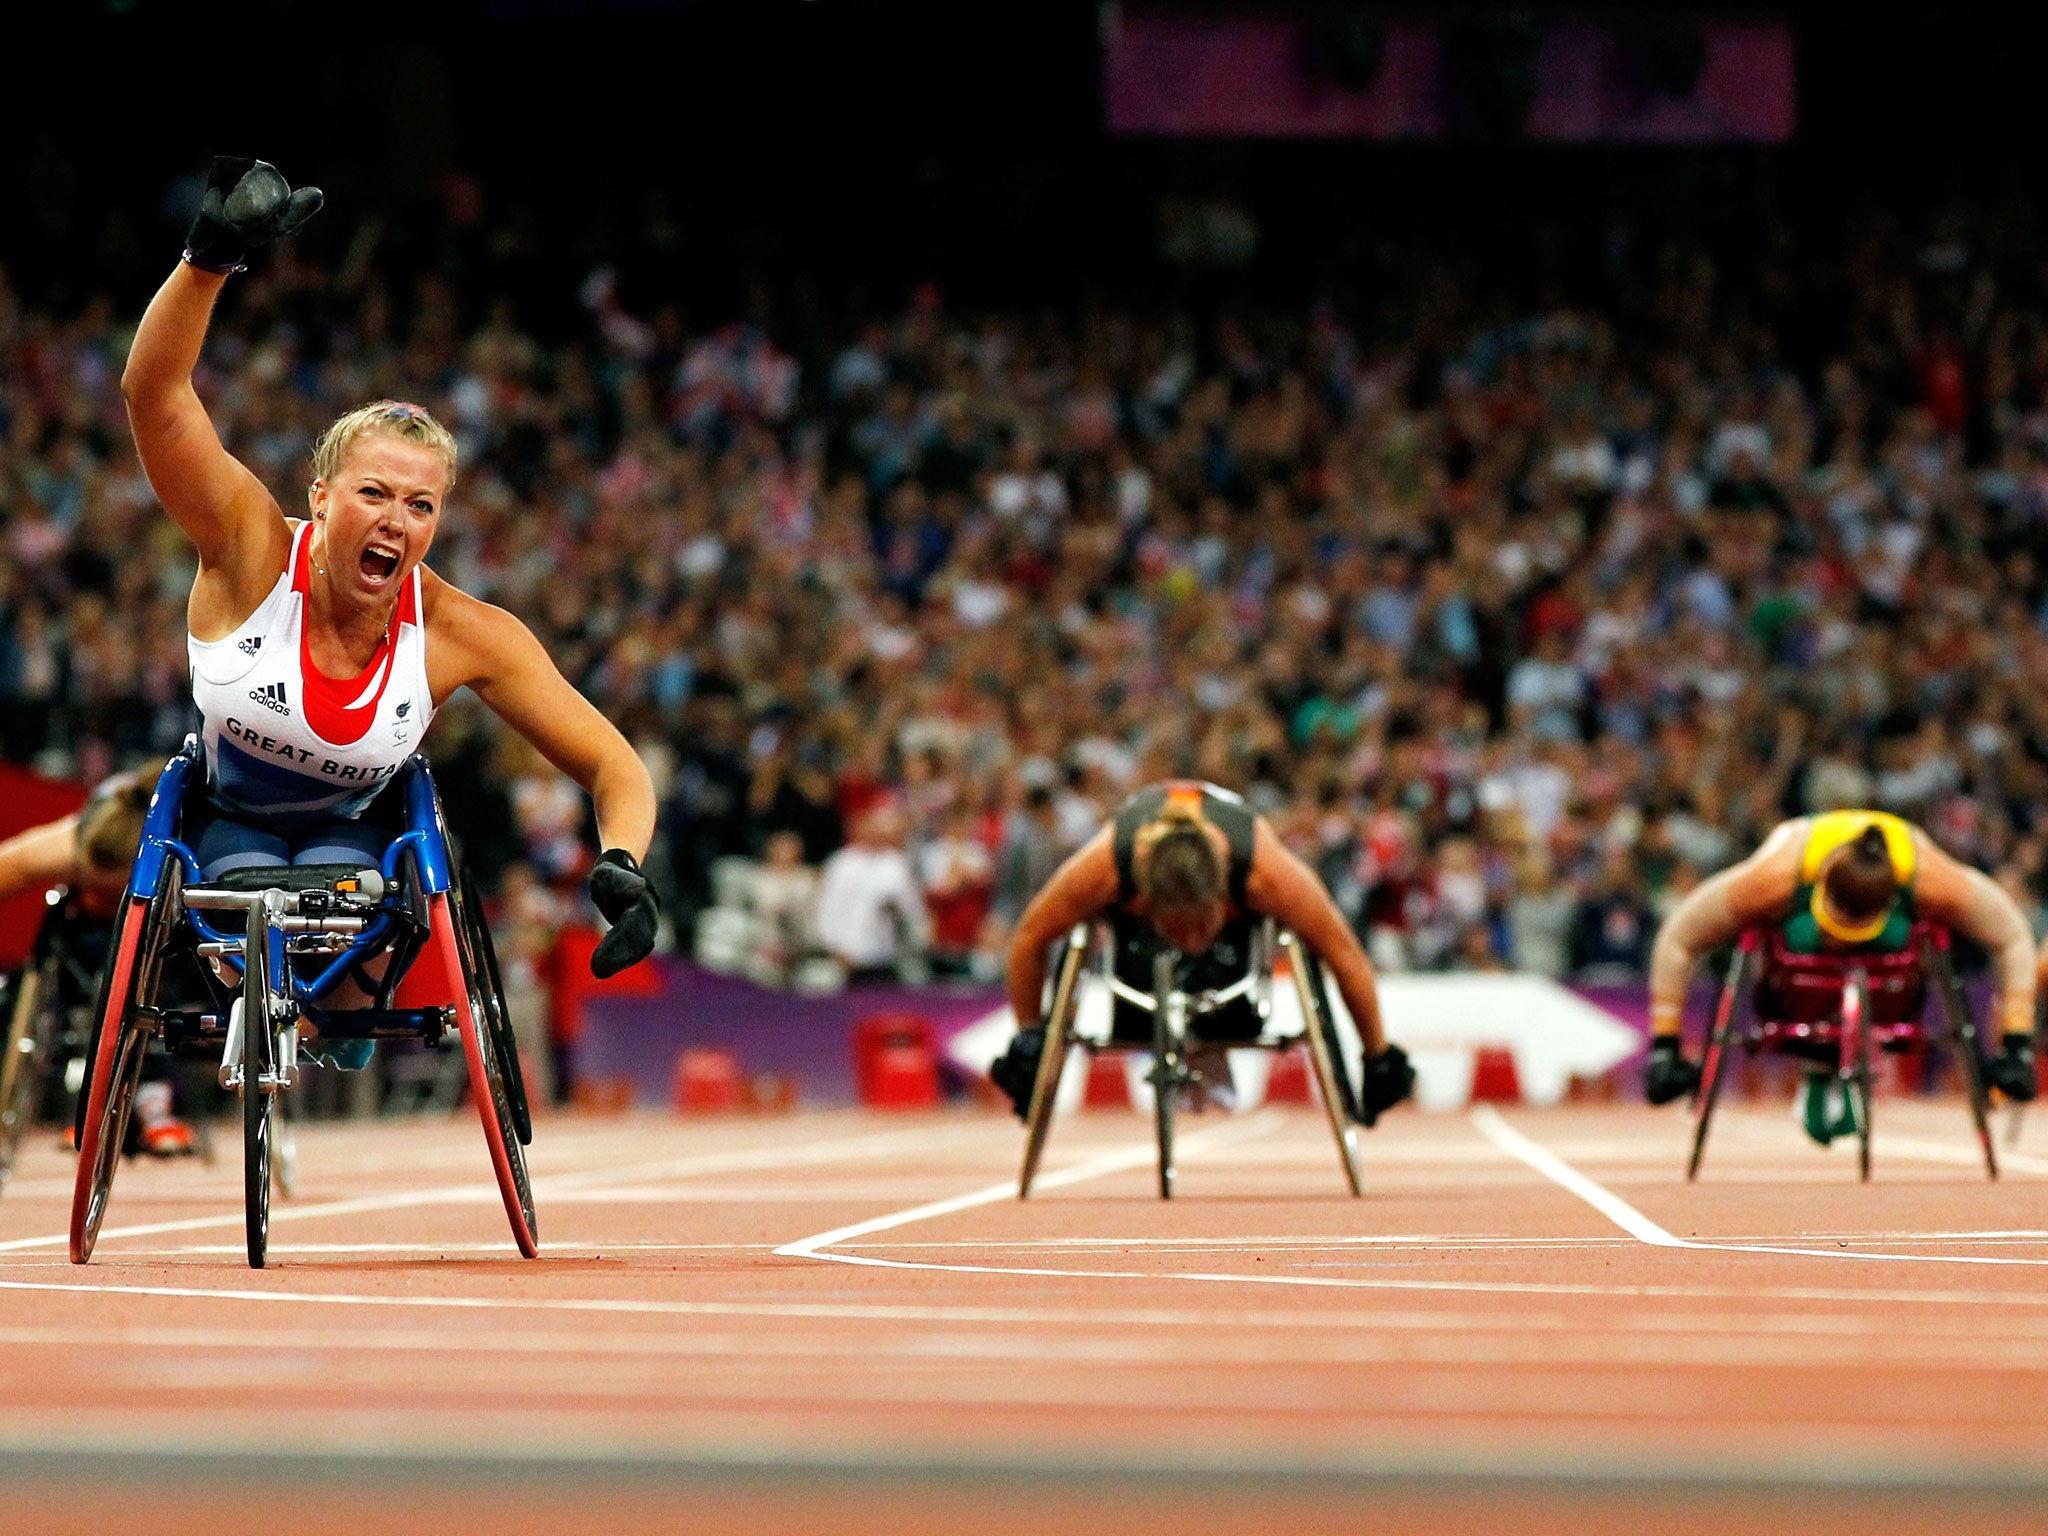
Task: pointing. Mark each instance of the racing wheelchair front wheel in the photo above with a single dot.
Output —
(120, 1035)
(259, 1087)
(489, 1082)
(1169, 1065)
(1857, 1068)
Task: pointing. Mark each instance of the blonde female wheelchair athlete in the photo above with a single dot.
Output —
(1188, 868)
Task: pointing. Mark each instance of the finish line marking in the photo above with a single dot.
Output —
(1261, 1124)
(1632, 1221)
(748, 1160)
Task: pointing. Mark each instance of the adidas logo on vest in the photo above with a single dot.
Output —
(271, 696)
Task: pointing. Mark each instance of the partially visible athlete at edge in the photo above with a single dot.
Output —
(90, 853)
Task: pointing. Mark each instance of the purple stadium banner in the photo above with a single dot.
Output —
(808, 1040)
(1267, 75)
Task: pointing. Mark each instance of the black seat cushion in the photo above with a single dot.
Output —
(287, 877)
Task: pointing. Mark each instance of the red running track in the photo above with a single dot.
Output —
(1531, 1322)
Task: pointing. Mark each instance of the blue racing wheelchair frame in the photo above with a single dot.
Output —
(273, 945)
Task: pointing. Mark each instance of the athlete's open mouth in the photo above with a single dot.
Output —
(378, 564)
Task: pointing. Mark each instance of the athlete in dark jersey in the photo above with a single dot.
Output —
(1188, 865)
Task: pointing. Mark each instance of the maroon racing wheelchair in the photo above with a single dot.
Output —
(1841, 1011)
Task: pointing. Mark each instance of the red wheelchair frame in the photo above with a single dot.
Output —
(1841, 1008)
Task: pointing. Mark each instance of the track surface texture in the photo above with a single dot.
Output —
(1530, 1323)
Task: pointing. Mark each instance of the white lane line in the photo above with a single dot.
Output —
(1632, 1221)
(761, 1159)
(1561, 1173)
(1261, 1124)
(1064, 1316)
(1071, 1246)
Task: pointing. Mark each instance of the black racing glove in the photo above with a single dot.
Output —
(1016, 1070)
(1388, 1079)
(627, 901)
(2012, 1073)
(247, 205)
(1669, 1075)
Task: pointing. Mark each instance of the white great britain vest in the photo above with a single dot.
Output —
(285, 743)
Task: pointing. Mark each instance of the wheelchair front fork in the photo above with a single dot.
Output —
(1169, 1059)
(262, 941)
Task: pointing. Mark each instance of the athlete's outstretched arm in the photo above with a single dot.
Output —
(1080, 889)
(490, 651)
(40, 857)
(1287, 890)
(1720, 907)
(1969, 901)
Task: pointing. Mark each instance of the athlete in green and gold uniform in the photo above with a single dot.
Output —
(1843, 882)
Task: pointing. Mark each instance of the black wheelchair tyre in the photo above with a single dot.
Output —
(259, 1121)
(502, 1084)
(496, 1020)
(258, 1107)
(1164, 1091)
(1863, 1075)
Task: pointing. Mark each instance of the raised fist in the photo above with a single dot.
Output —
(247, 205)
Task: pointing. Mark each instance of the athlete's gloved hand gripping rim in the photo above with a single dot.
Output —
(248, 204)
(2013, 1073)
(1388, 1078)
(1669, 1074)
(1016, 1070)
(622, 894)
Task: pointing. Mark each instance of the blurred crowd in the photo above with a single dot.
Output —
(1517, 619)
